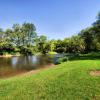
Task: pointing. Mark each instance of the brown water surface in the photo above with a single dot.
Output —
(15, 65)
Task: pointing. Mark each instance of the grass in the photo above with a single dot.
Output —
(52, 53)
(68, 81)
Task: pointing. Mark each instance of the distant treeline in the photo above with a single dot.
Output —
(23, 39)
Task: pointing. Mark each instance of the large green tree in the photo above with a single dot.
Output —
(87, 35)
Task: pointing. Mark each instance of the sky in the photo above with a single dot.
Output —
(57, 19)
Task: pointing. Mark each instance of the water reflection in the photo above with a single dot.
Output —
(16, 65)
(44, 60)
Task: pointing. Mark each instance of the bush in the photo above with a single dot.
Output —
(60, 60)
(27, 50)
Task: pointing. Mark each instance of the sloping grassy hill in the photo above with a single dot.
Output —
(67, 81)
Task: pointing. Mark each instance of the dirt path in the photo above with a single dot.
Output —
(95, 73)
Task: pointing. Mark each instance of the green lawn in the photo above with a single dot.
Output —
(67, 81)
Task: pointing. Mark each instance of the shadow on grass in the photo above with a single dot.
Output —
(92, 56)
(73, 57)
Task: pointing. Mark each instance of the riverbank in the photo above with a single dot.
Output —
(70, 80)
(9, 55)
(37, 70)
(27, 73)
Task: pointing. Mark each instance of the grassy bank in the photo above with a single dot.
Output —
(8, 55)
(67, 81)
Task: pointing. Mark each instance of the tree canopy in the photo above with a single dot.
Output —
(23, 39)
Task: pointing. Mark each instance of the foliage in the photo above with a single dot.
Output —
(20, 37)
(42, 44)
(25, 39)
(52, 53)
(63, 59)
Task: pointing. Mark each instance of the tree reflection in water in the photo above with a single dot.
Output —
(15, 65)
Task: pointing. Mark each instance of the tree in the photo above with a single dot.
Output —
(97, 22)
(29, 34)
(77, 44)
(16, 36)
(59, 47)
(52, 45)
(87, 36)
(42, 44)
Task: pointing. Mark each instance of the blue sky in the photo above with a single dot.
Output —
(56, 19)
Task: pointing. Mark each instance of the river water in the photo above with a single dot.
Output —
(15, 65)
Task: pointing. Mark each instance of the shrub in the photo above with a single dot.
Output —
(60, 60)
